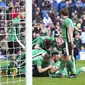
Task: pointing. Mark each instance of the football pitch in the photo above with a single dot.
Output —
(80, 80)
(13, 81)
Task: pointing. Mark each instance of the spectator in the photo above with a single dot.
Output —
(51, 15)
(83, 21)
(75, 18)
(67, 5)
(2, 4)
(61, 4)
(57, 19)
(79, 3)
(79, 8)
(77, 42)
(56, 32)
(44, 30)
(36, 30)
(81, 54)
(47, 20)
(7, 13)
(13, 13)
(22, 2)
(83, 1)
(37, 17)
(82, 36)
(10, 4)
(55, 5)
(44, 12)
(1, 13)
(39, 3)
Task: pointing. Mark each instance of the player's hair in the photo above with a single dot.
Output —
(48, 43)
(47, 56)
(83, 45)
(55, 53)
(64, 11)
(66, 0)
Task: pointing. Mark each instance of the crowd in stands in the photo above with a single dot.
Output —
(47, 20)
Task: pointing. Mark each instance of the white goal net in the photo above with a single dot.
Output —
(12, 42)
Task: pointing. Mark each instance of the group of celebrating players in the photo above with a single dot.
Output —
(49, 58)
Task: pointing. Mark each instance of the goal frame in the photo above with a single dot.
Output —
(28, 42)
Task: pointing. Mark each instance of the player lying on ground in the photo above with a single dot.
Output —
(48, 43)
(13, 67)
(44, 42)
(53, 72)
(41, 62)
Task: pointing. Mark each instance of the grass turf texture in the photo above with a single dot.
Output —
(13, 81)
(80, 80)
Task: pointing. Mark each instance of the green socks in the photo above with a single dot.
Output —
(72, 66)
(62, 66)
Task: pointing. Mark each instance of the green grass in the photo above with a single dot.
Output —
(80, 80)
(13, 81)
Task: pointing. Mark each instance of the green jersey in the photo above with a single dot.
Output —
(12, 30)
(65, 73)
(66, 23)
(54, 66)
(47, 37)
(40, 41)
(36, 58)
(36, 52)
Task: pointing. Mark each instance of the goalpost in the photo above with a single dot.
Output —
(29, 42)
(16, 68)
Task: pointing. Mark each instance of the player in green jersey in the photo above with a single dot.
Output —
(15, 46)
(53, 72)
(9, 67)
(41, 59)
(44, 42)
(68, 46)
(41, 62)
(56, 61)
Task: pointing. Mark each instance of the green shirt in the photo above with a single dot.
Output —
(65, 73)
(12, 30)
(66, 23)
(40, 41)
(54, 66)
(36, 58)
(36, 52)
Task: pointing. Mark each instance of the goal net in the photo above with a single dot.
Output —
(12, 42)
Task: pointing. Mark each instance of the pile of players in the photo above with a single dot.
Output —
(53, 58)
